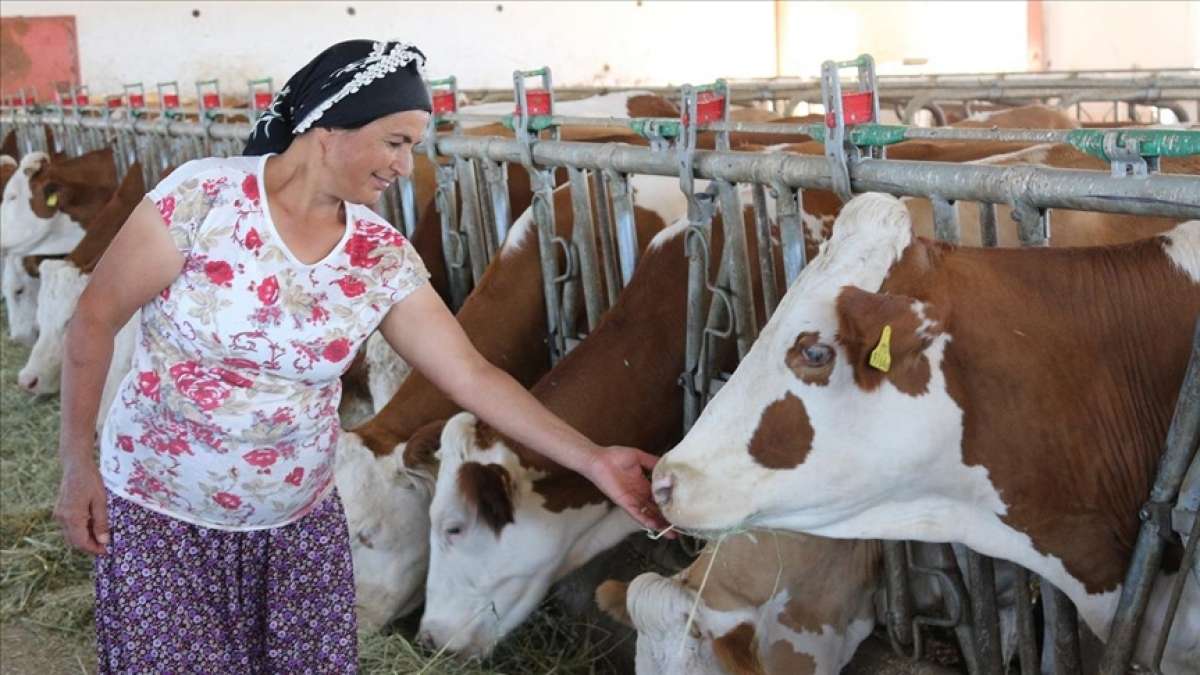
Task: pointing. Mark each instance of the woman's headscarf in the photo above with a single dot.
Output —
(348, 85)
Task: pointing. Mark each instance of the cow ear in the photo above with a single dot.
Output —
(488, 488)
(610, 598)
(31, 263)
(883, 333)
(420, 453)
(737, 651)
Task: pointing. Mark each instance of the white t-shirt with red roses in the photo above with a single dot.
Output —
(228, 418)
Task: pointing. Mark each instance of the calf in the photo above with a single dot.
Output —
(773, 603)
(1009, 400)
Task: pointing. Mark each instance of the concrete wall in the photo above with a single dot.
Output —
(613, 41)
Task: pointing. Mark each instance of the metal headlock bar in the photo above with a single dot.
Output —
(723, 307)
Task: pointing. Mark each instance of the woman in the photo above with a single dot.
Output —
(221, 544)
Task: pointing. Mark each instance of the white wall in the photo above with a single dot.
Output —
(1141, 34)
(613, 41)
(939, 36)
(584, 42)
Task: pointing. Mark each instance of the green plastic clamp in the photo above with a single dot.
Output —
(536, 122)
(1151, 142)
(651, 127)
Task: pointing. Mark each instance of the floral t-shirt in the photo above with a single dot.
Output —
(228, 417)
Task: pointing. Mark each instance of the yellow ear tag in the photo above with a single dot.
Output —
(881, 356)
(52, 200)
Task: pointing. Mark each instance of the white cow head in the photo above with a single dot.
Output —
(806, 435)
(387, 511)
(498, 541)
(23, 229)
(658, 608)
(20, 292)
(61, 285)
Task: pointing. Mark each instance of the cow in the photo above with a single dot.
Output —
(505, 522)
(43, 210)
(505, 317)
(61, 284)
(775, 603)
(1012, 400)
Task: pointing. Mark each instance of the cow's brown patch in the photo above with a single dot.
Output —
(783, 658)
(800, 365)
(488, 489)
(9, 146)
(650, 105)
(105, 225)
(737, 651)
(611, 598)
(32, 263)
(421, 450)
(1063, 402)
(80, 185)
(862, 317)
(784, 435)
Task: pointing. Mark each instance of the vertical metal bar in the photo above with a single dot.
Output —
(788, 207)
(734, 228)
(696, 244)
(1064, 629)
(766, 261)
(543, 217)
(988, 235)
(1033, 224)
(1183, 437)
(584, 236)
(496, 176)
(626, 229)
(945, 220)
(608, 241)
(470, 222)
(1027, 639)
(899, 597)
(963, 630)
(984, 614)
(408, 205)
(446, 201)
(487, 219)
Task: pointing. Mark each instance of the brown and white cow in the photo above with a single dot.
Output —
(505, 522)
(774, 603)
(61, 282)
(1018, 405)
(505, 317)
(44, 208)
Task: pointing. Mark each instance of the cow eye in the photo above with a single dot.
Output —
(818, 355)
(453, 530)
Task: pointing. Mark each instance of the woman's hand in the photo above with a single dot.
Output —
(81, 509)
(620, 473)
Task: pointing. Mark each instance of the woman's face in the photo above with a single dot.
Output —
(365, 161)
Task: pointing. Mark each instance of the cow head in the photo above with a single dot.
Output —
(386, 499)
(23, 228)
(498, 540)
(807, 435)
(61, 285)
(20, 291)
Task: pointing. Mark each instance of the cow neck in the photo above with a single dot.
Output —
(505, 318)
(104, 226)
(1099, 339)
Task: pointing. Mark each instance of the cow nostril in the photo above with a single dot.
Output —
(31, 384)
(662, 488)
(425, 639)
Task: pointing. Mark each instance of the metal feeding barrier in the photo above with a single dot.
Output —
(582, 275)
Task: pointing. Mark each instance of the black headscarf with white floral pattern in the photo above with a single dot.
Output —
(348, 85)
